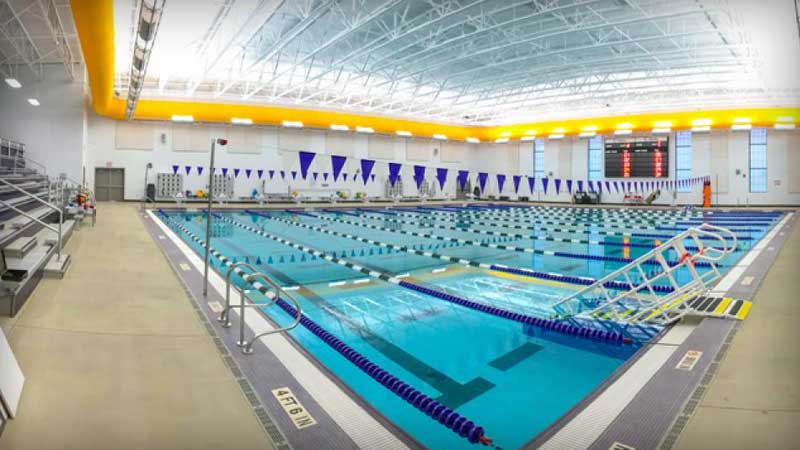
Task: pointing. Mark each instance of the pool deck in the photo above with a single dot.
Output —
(119, 355)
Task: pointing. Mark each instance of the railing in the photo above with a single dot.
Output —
(633, 294)
(224, 318)
(48, 204)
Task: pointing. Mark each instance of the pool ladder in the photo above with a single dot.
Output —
(641, 301)
(253, 279)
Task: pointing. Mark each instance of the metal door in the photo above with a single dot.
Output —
(109, 184)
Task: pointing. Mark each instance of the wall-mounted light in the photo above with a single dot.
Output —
(501, 140)
(527, 138)
(339, 127)
(622, 132)
(241, 120)
(473, 140)
(403, 133)
(440, 137)
(182, 118)
(292, 124)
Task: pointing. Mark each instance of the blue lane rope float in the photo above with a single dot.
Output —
(522, 236)
(435, 410)
(535, 218)
(499, 312)
(650, 262)
(569, 212)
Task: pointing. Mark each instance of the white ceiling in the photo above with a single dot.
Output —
(479, 62)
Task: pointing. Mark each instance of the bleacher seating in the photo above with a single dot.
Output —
(29, 248)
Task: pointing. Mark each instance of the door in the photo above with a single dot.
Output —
(109, 184)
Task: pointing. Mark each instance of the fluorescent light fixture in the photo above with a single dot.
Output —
(501, 140)
(623, 132)
(624, 126)
(784, 126)
(741, 126)
(13, 82)
(505, 134)
(778, 119)
(590, 128)
(701, 129)
(473, 140)
(367, 130)
(34, 102)
(440, 137)
(527, 138)
(559, 130)
(181, 118)
(661, 130)
(587, 134)
(663, 124)
(339, 127)
(556, 136)
(530, 133)
(742, 120)
(292, 124)
(403, 133)
(701, 122)
(242, 120)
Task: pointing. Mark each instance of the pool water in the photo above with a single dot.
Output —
(514, 380)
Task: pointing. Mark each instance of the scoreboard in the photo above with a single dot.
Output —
(637, 157)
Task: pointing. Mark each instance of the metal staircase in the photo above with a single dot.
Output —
(637, 294)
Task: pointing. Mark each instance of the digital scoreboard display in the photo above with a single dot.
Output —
(637, 157)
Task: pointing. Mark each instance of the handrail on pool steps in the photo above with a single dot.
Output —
(252, 278)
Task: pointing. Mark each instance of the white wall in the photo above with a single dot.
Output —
(718, 154)
(53, 133)
(276, 152)
(65, 136)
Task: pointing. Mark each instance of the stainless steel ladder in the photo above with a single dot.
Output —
(631, 294)
(253, 278)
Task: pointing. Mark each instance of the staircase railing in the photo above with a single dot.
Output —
(635, 294)
(253, 278)
(45, 203)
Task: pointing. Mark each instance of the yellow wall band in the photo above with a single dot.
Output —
(94, 21)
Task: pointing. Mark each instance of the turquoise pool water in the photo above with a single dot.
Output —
(512, 379)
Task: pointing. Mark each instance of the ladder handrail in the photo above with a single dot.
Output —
(638, 291)
(247, 346)
(44, 202)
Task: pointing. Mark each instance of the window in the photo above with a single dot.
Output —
(758, 160)
(683, 159)
(595, 158)
(538, 158)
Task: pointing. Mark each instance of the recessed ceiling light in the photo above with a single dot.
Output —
(242, 120)
(13, 82)
(368, 130)
(34, 102)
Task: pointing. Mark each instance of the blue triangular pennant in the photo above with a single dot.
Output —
(516, 179)
(482, 177)
(501, 180)
(394, 172)
(305, 162)
(462, 178)
(175, 169)
(366, 169)
(441, 175)
(419, 175)
(337, 163)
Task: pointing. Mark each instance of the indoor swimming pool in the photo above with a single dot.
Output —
(440, 318)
